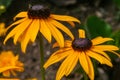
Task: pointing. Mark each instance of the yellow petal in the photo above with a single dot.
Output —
(20, 29)
(71, 23)
(81, 33)
(8, 68)
(62, 27)
(57, 56)
(14, 31)
(56, 34)
(115, 53)
(55, 45)
(25, 40)
(91, 69)
(21, 15)
(45, 30)
(72, 63)
(99, 40)
(83, 61)
(101, 53)
(99, 58)
(2, 29)
(13, 72)
(106, 47)
(9, 79)
(33, 29)
(62, 70)
(17, 22)
(64, 18)
(67, 44)
(6, 73)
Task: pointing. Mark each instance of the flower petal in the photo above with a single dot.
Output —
(99, 40)
(57, 56)
(99, 58)
(72, 63)
(13, 72)
(64, 18)
(62, 70)
(91, 69)
(16, 22)
(9, 79)
(115, 53)
(20, 15)
(101, 53)
(67, 44)
(17, 29)
(56, 34)
(106, 47)
(71, 23)
(62, 27)
(81, 33)
(83, 61)
(20, 29)
(7, 68)
(24, 41)
(6, 73)
(45, 30)
(33, 29)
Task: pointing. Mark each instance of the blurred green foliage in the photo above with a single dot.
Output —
(4, 4)
(116, 37)
(117, 2)
(98, 27)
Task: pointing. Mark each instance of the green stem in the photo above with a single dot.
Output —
(41, 57)
(85, 76)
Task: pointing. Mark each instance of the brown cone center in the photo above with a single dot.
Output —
(81, 44)
(38, 12)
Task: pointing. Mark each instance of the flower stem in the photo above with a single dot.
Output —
(85, 76)
(41, 57)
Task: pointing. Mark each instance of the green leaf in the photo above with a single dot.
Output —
(97, 27)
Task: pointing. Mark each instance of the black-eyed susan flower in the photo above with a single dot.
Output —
(2, 29)
(81, 49)
(38, 18)
(9, 63)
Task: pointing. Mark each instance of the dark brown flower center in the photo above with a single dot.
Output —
(81, 44)
(38, 12)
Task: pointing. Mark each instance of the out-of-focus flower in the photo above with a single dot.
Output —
(17, 79)
(38, 18)
(2, 29)
(32, 79)
(9, 79)
(81, 49)
(9, 63)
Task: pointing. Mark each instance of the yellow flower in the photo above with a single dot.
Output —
(2, 29)
(9, 63)
(16, 79)
(9, 79)
(39, 18)
(81, 49)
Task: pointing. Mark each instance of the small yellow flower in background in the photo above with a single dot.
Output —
(81, 49)
(9, 63)
(2, 29)
(38, 18)
(17, 79)
(9, 79)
